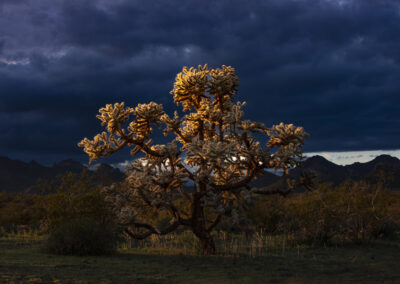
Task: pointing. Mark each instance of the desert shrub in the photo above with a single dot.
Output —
(310, 218)
(364, 211)
(268, 213)
(353, 211)
(74, 198)
(83, 237)
(78, 218)
(62, 207)
(394, 213)
(19, 209)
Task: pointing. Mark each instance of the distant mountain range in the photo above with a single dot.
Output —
(17, 176)
(383, 166)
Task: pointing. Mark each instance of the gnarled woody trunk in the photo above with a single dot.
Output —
(198, 225)
(206, 241)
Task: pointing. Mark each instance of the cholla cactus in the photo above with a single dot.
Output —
(214, 148)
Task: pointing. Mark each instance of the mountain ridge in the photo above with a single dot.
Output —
(371, 171)
(17, 176)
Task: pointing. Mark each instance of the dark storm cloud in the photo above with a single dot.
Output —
(329, 65)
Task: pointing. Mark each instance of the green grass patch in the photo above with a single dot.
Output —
(22, 261)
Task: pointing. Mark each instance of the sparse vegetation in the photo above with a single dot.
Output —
(83, 237)
(351, 212)
(287, 243)
(164, 259)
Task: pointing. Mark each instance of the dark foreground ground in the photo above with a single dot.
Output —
(21, 261)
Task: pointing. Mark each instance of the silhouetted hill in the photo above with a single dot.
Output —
(325, 169)
(68, 165)
(383, 166)
(17, 176)
(266, 179)
(382, 162)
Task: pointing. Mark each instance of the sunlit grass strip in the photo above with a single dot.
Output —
(228, 244)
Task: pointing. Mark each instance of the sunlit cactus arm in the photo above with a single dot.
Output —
(116, 137)
(173, 125)
(232, 186)
(102, 145)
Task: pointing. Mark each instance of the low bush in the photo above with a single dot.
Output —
(83, 237)
(74, 199)
(353, 211)
(269, 213)
(310, 219)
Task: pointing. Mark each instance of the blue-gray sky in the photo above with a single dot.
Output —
(332, 66)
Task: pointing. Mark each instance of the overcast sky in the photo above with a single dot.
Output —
(332, 66)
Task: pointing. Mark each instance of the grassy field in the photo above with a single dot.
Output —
(160, 261)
